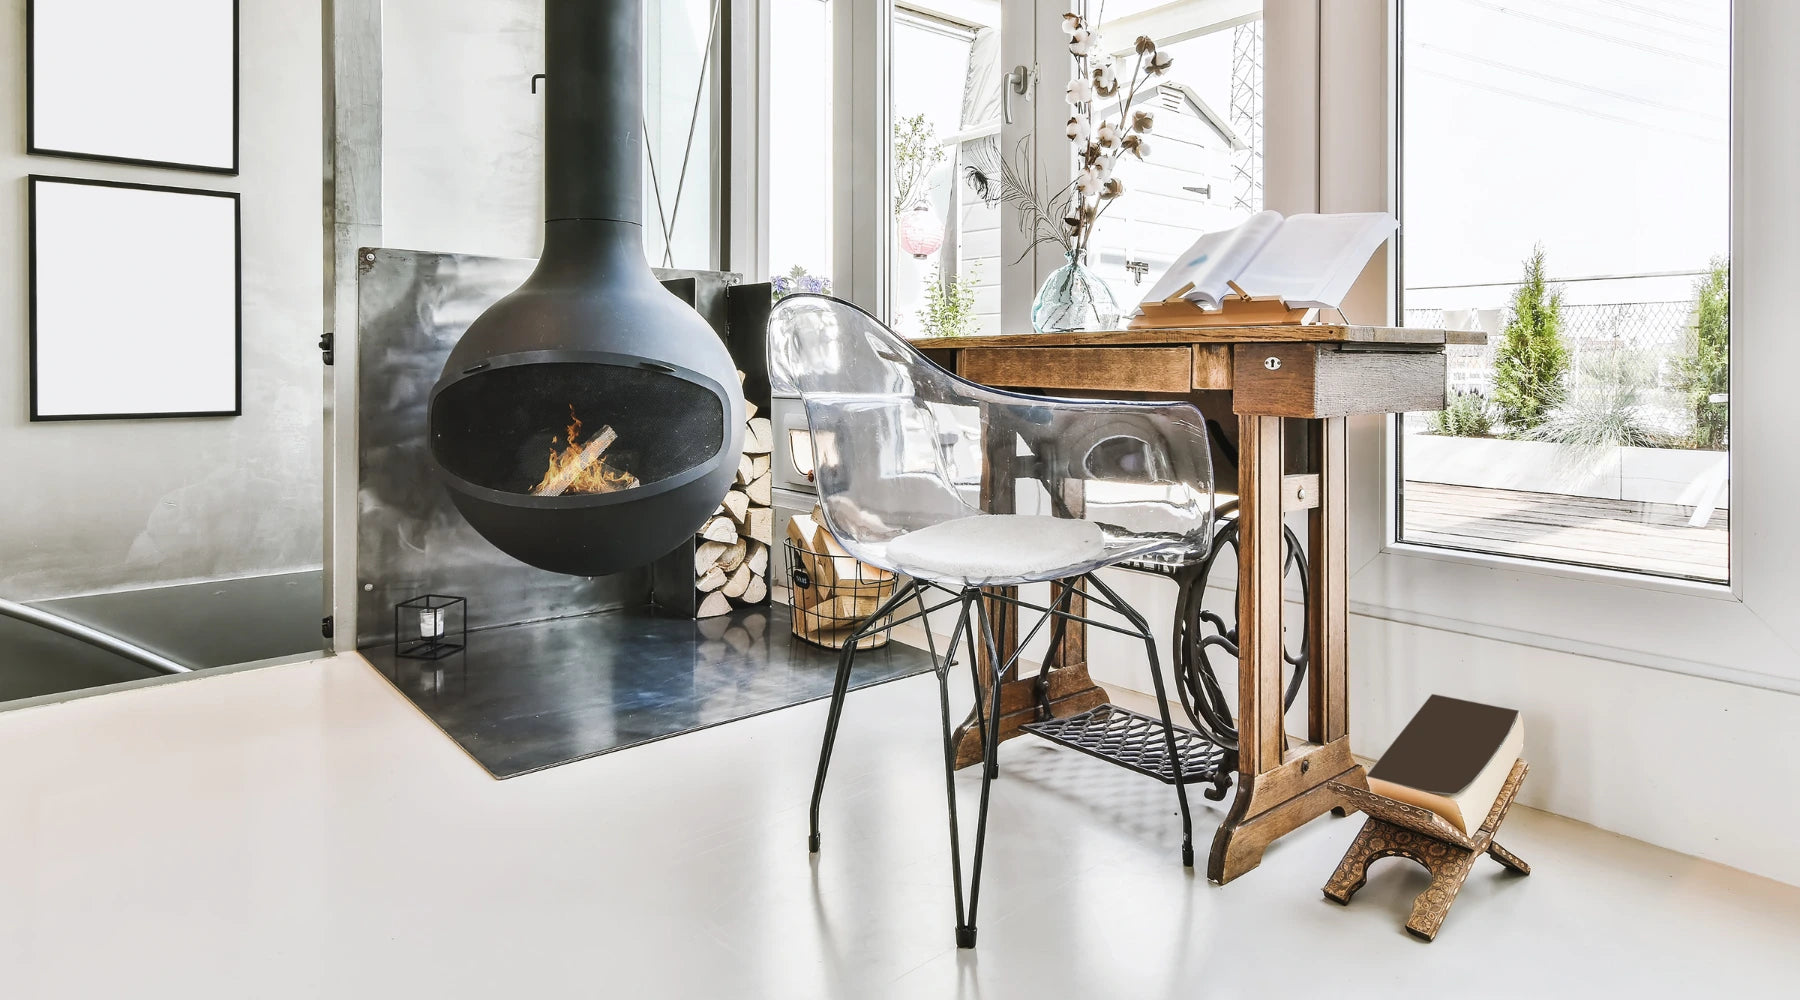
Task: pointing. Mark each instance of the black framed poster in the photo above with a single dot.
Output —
(151, 82)
(135, 301)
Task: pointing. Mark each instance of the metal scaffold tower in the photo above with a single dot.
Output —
(1247, 114)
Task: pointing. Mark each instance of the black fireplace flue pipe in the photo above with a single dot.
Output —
(593, 112)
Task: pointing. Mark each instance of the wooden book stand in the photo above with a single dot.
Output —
(1397, 829)
(1242, 309)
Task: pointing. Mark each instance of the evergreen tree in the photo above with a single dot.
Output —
(1707, 371)
(1531, 366)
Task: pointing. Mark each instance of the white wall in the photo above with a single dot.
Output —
(118, 504)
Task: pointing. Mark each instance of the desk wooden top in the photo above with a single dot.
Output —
(1308, 333)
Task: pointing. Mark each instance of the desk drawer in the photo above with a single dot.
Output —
(1143, 369)
(1326, 380)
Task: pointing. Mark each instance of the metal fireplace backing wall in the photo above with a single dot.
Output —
(412, 307)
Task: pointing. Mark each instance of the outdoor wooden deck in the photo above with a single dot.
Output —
(1623, 534)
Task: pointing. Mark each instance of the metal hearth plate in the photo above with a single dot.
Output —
(525, 697)
(1134, 741)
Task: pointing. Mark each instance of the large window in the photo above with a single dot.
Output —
(1565, 187)
(799, 150)
(944, 165)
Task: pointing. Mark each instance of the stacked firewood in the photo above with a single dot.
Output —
(731, 559)
(833, 593)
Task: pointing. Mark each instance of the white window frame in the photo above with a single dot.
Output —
(1746, 632)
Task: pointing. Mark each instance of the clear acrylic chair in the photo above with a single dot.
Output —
(905, 469)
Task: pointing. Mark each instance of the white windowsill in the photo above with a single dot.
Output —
(1568, 571)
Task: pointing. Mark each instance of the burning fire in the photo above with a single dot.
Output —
(580, 467)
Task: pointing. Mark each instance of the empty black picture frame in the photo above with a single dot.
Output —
(88, 62)
(103, 285)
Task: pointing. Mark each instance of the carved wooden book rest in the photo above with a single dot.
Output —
(1398, 829)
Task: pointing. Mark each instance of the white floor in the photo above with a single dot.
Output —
(300, 831)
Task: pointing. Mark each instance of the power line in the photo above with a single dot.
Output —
(1665, 15)
(1565, 106)
(1565, 81)
(1563, 281)
(1591, 33)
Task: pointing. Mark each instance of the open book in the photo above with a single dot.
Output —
(1310, 261)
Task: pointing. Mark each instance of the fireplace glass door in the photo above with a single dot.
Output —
(573, 428)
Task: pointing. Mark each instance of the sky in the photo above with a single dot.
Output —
(1597, 127)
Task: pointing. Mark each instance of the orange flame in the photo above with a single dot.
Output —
(581, 466)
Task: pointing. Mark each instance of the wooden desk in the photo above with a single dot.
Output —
(1290, 389)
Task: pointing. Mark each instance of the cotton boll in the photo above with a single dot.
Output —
(1107, 135)
(1071, 23)
(1088, 182)
(1080, 42)
(1080, 91)
(1079, 131)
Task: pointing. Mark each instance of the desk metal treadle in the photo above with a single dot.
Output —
(1134, 741)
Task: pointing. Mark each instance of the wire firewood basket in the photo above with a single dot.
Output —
(833, 595)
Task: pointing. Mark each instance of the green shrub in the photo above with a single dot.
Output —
(1467, 415)
(1706, 371)
(949, 306)
(1531, 365)
(1606, 406)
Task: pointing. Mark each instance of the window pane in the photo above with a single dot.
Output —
(944, 160)
(681, 115)
(1566, 188)
(800, 154)
(1204, 171)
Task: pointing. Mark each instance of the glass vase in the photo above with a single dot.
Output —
(1074, 298)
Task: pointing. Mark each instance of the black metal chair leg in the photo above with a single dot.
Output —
(840, 688)
(972, 599)
(965, 929)
(1162, 701)
(943, 675)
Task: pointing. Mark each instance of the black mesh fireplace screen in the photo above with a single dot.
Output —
(498, 429)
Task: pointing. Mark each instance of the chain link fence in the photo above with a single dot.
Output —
(1659, 334)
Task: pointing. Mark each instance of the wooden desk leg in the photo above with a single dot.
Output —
(1328, 671)
(1279, 790)
(1071, 689)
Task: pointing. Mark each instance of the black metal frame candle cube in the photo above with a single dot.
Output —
(430, 637)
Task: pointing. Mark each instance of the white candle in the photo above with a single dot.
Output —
(431, 623)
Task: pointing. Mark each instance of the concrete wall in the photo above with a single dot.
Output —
(119, 504)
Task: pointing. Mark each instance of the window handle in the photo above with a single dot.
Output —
(1020, 82)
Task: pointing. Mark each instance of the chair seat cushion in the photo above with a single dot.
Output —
(999, 549)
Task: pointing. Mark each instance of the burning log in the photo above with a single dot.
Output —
(583, 465)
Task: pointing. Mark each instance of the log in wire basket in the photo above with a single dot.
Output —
(833, 595)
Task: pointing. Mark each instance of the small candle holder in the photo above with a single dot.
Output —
(430, 627)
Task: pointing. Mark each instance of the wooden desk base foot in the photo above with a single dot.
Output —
(1071, 691)
(1273, 804)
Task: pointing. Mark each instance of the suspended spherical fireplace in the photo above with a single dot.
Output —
(589, 422)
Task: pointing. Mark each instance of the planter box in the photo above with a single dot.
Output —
(1651, 475)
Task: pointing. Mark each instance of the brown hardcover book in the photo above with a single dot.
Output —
(1452, 758)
